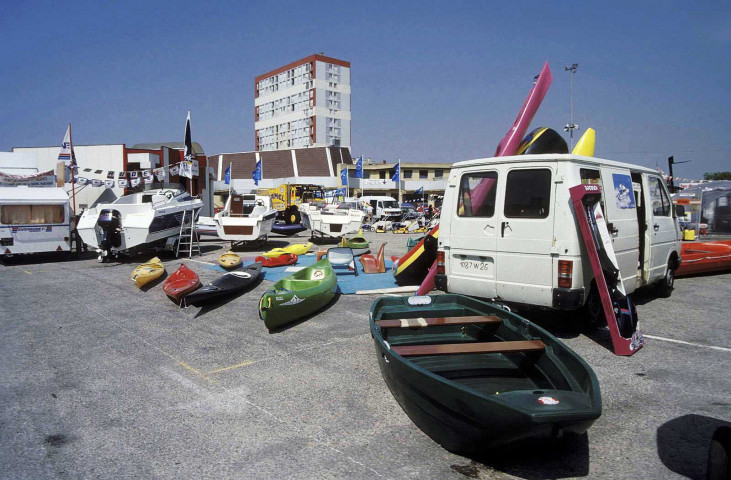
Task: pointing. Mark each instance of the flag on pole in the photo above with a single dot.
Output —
(344, 176)
(227, 175)
(67, 155)
(188, 143)
(359, 167)
(420, 191)
(256, 174)
(396, 177)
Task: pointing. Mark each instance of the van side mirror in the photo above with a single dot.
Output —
(680, 211)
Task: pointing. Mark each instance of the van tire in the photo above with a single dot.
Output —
(666, 285)
(592, 313)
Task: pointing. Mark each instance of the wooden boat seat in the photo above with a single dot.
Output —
(467, 348)
(427, 322)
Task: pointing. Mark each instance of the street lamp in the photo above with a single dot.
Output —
(571, 126)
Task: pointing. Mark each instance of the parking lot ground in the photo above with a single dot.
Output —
(101, 379)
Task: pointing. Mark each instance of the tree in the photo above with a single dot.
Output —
(717, 176)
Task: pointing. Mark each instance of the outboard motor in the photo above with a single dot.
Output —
(110, 222)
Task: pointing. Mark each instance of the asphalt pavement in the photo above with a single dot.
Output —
(101, 379)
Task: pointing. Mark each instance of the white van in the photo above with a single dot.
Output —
(34, 220)
(383, 206)
(521, 242)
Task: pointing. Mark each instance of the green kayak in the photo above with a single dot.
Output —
(298, 295)
(358, 244)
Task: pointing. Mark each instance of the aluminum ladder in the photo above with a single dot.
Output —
(188, 236)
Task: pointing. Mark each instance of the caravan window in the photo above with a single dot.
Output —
(477, 195)
(528, 193)
(660, 201)
(31, 214)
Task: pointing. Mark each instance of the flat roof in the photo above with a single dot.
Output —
(317, 57)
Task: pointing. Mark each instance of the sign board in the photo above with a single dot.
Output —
(40, 179)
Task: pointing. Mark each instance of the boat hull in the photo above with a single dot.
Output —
(704, 257)
(288, 230)
(245, 229)
(180, 283)
(332, 224)
(148, 272)
(279, 261)
(453, 399)
(412, 268)
(227, 284)
(298, 295)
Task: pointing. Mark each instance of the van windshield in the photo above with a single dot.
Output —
(390, 204)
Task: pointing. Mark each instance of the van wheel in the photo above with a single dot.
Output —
(593, 310)
(665, 287)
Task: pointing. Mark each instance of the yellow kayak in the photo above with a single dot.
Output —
(585, 146)
(148, 272)
(229, 260)
(297, 249)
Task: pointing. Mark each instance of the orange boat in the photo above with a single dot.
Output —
(180, 283)
(703, 257)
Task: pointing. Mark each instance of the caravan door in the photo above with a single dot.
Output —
(524, 233)
(661, 227)
(473, 234)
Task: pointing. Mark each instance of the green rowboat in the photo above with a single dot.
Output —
(474, 376)
(299, 295)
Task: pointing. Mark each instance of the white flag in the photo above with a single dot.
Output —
(186, 169)
(134, 182)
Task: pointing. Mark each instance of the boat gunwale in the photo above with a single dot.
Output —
(594, 393)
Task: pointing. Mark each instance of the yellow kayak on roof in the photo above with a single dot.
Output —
(297, 249)
(147, 272)
(585, 145)
(229, 260)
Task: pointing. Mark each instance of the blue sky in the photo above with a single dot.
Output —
(431, 81)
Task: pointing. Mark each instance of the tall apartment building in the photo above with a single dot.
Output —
(303, 104)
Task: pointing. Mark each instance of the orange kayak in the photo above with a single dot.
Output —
(180, 283)
(703, 257)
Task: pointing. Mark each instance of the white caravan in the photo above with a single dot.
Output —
(34, 220)
(383, 206)
(508, 230)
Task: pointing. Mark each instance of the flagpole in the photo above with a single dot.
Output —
(230, 179)
(73, 180)
(399, 183)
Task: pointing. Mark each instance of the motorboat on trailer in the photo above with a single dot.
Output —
(331, 222)
(149, 217)
(245, 218)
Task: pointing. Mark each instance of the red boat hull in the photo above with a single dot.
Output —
(280, 261)
(180, 283)
(704, 257)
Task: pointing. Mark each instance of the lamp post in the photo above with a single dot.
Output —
(571, 126)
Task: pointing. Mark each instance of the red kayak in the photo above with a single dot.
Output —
(180, 283)
(280, 261)
(703, 257)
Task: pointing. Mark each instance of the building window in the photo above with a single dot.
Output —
(438, 173)
(382, 174)
(423, 173)
(407, 173)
